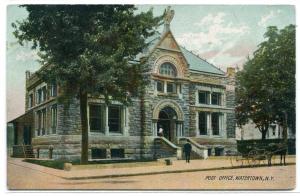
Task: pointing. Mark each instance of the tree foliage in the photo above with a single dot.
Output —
(266, 86)
(89, 49)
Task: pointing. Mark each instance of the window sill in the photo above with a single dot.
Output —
(46, 135)
(107, 135)
(210, 136)
(167, 94)
(96, 133)
(115, 134)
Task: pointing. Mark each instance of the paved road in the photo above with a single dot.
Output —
(277, 177)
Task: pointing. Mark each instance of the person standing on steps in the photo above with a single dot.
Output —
(187, 148)
(160, 131)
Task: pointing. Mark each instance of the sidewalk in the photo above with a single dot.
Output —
(178, 166)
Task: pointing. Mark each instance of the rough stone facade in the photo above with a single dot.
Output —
(174, 107)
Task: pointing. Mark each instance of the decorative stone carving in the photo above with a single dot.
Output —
(167, 103)
(169, 15)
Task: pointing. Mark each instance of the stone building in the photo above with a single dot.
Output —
(189, 98)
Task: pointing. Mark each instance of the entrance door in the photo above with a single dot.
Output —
(27, 135)
(167, 121)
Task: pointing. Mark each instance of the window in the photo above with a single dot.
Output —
(204, 97)
(95, 118)
(219, 151)
(209, 152)
(44, 122)
(53, 90)
(39, 96)
(215, 123)
(44, 93)
(117, 153)
(216, 98)
(160, 86)
(53, 118)
(98, 153)
(39, 122)
(167, 69)
(171, 87)
(114, 119)
(30, 100)
(202, 121)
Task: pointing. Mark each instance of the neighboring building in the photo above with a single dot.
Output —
(188, 97)
(250, 132)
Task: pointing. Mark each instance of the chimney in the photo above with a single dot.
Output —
(28, 74)
(231, 72)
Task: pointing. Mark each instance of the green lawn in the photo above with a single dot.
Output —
(47, 163)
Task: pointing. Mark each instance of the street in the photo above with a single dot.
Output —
(276, 177)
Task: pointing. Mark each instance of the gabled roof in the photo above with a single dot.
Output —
(195, 62)
(198, 64)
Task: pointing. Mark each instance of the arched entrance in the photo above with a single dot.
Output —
(167, 121)
(169, 115)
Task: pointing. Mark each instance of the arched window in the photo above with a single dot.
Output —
(167, 69)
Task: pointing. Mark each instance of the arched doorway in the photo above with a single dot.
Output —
(167, 121)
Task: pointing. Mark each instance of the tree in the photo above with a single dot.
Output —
(89, 50)
(266, 86)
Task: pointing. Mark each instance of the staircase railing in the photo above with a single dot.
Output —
(196, 147)
(168, 143)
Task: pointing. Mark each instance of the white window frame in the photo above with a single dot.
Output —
(124, 115)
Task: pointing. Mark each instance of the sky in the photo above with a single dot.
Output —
(224, 35)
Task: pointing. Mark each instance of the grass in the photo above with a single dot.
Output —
(59, 164)
(47, 163)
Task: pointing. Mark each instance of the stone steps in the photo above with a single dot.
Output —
(23, 151)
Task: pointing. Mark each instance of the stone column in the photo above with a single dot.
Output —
(154, 127)
(125, 121)
(197, 97)
(224, 128)
(197, 124)
(106, 120)
(209, 129)
(179, 129)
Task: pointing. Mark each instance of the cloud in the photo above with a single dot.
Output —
(209, 54)
(30, 55)
(244, 49)
(216, 35)
(264, 19)
(210, 18)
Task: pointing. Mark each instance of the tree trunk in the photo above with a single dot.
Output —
(285, 126)
(263, 135)
(84, 127)
(264, 131)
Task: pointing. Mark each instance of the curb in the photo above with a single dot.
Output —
(162, 172)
